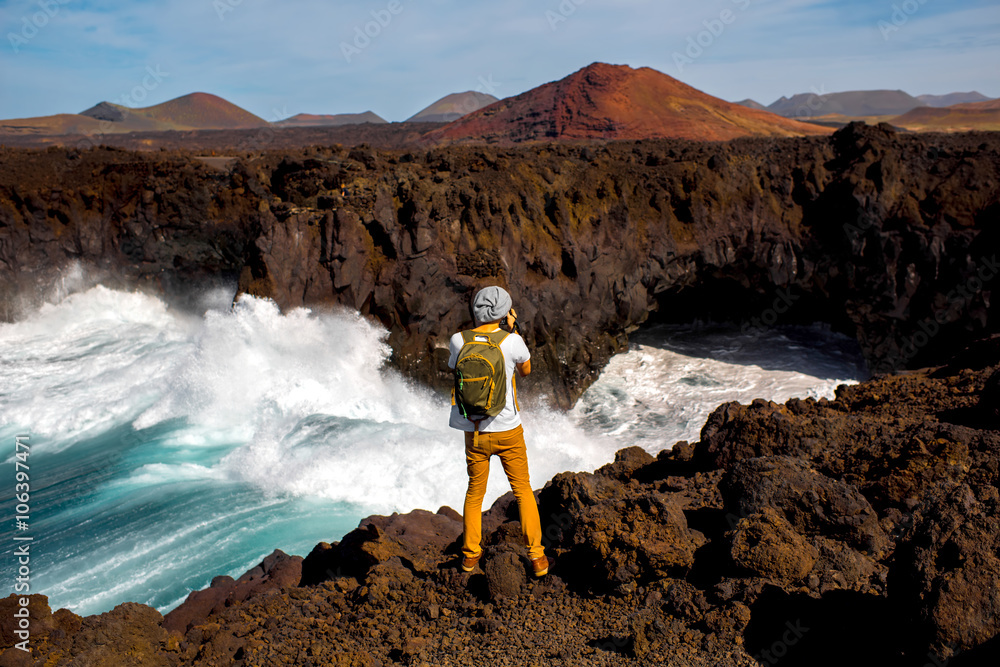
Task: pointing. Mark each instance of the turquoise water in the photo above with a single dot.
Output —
(111, 523)
(167, 449)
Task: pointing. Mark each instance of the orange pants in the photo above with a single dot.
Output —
(510, 447)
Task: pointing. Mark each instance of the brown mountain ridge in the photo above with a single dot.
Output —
(201, 111)
(195, 111)
(331, 120)
(616, 102)
(956, 118)
(452, 107)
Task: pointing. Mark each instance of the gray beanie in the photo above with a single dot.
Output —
(491, 304)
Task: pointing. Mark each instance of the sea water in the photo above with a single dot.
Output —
(168, 448)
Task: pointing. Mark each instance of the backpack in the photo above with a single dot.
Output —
(481, 375)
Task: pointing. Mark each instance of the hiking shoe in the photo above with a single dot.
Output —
(469, 564)
(542, 565)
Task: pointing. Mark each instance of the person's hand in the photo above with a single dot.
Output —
(511, 318)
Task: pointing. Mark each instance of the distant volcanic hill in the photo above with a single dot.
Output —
(957, 118)
(201, 111)
(952, 98)
(752, 104)
(63, 123)
(197, 111)
(855, 103)
(315, 120)
(615, 102)
(452, 107)
(114, 113)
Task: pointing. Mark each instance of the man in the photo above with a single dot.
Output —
(501, 435)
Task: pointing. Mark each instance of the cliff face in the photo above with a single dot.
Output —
(889, 238)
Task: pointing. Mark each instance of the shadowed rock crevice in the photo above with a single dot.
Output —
(842, 628)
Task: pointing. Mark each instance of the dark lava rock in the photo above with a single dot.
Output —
(277, 571)
(767, 545)
(683, 600)
(44, 626)
(812, 503)
(620, 533)
(419, 538)
(129, 635)
(946, 577)
(626, 462)
(505, 572)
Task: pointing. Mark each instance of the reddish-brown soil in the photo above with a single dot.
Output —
(312, 119)
(197, 111)
(957, 118)
(202, 111)
(278, 136)
(617, 102)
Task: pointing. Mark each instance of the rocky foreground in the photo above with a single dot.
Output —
(862, 531)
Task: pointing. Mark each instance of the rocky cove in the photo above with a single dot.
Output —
(858, 530)
(888, 238)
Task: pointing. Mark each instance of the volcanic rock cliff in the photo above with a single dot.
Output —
(890, 238)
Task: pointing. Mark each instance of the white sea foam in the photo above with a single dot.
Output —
(319, 415)
(249, 429)
(92, 361)
(166, 473)
(663, 389)
(301, 403)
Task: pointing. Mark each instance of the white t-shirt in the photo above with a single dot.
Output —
(514, 352)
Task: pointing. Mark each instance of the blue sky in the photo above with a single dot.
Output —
(276, 58)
